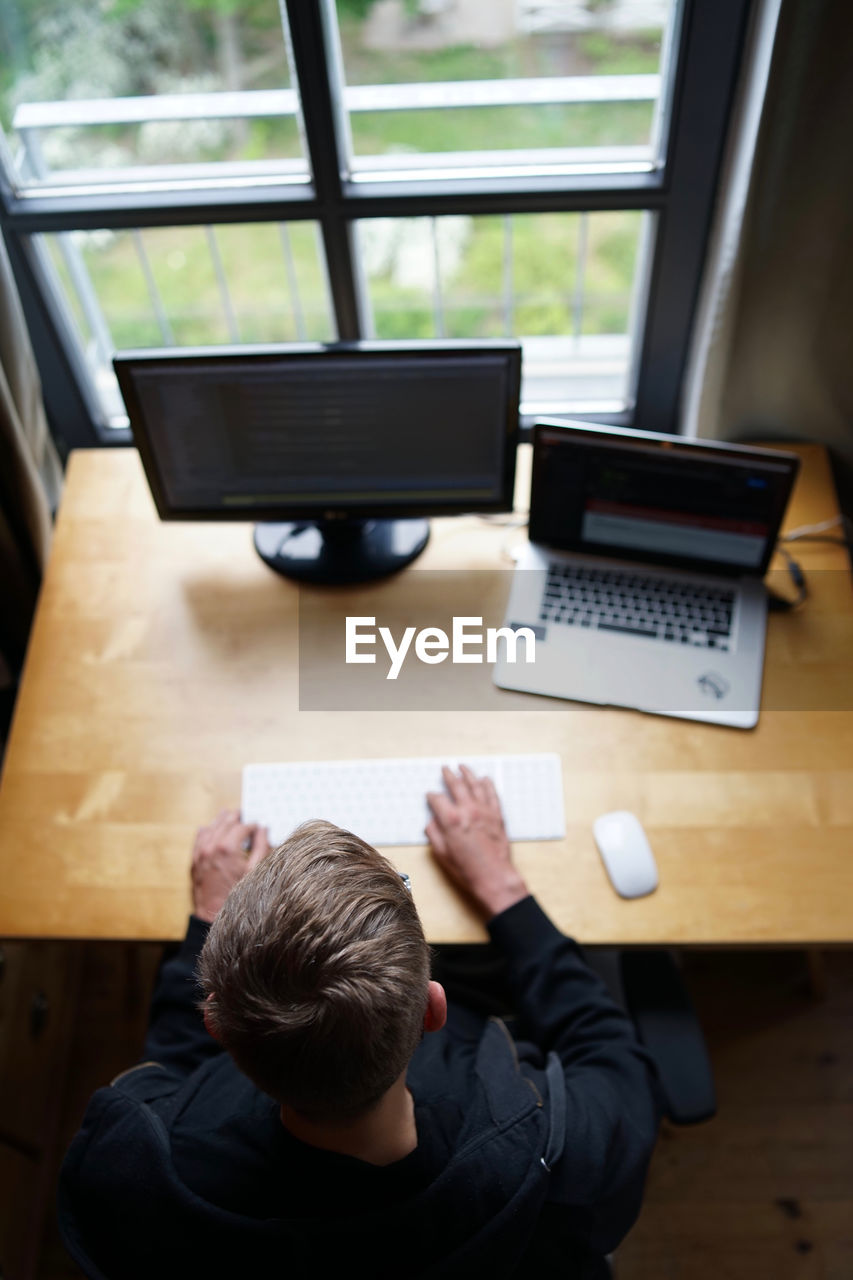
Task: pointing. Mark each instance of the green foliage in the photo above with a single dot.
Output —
(545, 280)
(179, 257)
(545, 248)
(353, 10)
(404, 66)
(399, 320)
(606, 314)
(608, 54)
(482, 321)
(502, 128)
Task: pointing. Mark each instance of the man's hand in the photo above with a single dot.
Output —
(469, 840)
(222, 854)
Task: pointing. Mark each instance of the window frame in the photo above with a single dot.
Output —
(681, 195)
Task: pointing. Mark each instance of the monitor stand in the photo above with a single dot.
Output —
(340, 551)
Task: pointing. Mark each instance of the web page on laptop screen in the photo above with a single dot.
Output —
(662, 503)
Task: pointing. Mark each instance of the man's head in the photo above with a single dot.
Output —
(316, 974)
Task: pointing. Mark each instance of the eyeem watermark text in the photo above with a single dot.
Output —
(468, 642)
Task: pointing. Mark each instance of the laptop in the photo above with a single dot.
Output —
(642, 577)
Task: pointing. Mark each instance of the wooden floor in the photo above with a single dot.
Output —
(763, 1191)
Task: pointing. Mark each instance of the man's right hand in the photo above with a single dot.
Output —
(224, 851)
(469, 840)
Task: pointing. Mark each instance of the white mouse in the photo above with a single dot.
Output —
(626, 853)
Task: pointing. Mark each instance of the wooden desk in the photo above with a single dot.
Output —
(164, 656)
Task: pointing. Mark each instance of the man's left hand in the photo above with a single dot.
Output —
(222, 854)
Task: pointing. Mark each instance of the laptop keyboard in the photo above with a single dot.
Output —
(639, 604)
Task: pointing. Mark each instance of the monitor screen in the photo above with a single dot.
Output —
(663, 499)
(321, 431)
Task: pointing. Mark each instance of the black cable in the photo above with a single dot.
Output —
(777, 602)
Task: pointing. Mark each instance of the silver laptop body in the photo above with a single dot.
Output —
(642, 578)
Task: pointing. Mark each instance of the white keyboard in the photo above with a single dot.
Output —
(384, 801)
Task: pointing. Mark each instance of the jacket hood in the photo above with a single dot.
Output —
(476, 1216)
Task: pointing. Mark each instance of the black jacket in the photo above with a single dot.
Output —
(531, 1149)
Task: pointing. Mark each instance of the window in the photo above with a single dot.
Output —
(253, 172)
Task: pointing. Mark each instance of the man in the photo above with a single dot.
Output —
(338, 1111)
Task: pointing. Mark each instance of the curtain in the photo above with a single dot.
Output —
(30, 478)
(773, 350)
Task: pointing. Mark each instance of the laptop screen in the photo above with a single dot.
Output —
(661, 499)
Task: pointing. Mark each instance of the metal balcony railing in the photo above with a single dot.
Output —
(31, 120)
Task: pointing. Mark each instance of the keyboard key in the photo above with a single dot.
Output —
(627, 629)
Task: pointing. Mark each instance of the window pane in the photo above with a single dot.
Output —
(96, 93)
(188, 286)
(566, 284)
(467, 85)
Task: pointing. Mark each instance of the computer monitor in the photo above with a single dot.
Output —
(340, 451)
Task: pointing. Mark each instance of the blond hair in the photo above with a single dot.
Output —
(316, 972)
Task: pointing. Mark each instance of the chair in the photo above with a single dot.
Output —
(649, 985)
